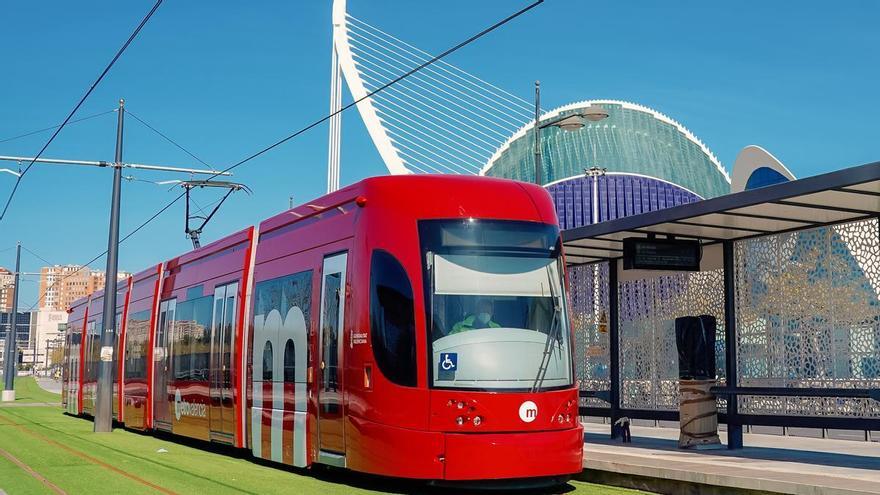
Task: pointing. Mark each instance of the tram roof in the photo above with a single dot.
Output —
(841, 196)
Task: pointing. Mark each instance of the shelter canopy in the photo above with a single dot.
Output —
(842, 196)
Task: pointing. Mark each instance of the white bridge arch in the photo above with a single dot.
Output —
(438, 120)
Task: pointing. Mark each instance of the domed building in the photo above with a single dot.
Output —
(641, 159)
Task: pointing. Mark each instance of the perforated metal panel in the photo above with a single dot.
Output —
(808, 315)
(589, 317)
(648, 356)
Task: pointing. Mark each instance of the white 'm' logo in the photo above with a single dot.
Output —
(528, 411)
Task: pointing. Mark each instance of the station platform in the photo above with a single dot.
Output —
(768, 464)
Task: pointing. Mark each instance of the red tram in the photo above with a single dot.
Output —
(408, 326)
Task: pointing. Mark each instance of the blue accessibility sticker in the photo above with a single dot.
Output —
(447, 365)
(448, 361)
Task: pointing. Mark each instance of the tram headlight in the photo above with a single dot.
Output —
(478, 421)
(560, 418)
(459, 421)
(460, 405)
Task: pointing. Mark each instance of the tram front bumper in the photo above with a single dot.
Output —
(482, 456)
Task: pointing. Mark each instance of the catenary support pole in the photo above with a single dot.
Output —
(104, 400)
(539, 154)
(734, 423)
(9, 357)
(614, 343)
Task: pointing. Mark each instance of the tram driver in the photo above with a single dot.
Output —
(481, 318)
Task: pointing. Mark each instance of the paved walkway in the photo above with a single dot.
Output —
(49, 384)
(30, 404)
(768, 462)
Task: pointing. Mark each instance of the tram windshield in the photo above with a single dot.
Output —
(496, 305)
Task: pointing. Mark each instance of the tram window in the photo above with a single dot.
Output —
(289, 362)
(330, 333)
(192, 340)
(201, 347)
(229, 337)
(182, 341)
(93, 351)
(267, 362)
(392, 319)
(136, 343)
(285, 295)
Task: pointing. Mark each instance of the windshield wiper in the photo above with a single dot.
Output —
(551, 336)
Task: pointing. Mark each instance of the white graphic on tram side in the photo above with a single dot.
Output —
(184, 408)
(277, 331)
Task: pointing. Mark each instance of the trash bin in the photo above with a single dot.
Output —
(698, 413)
(695, 340)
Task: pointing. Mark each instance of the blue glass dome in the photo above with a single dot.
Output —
(617, 196)
(633, 139)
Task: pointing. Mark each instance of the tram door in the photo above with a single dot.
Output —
(330, 412)
(162, 364)
(222, 351)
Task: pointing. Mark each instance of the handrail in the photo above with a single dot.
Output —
(857, 393)
(848, 393)
(596, 394)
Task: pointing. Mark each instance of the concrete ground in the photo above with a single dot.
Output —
(49, 385)
(768, 463)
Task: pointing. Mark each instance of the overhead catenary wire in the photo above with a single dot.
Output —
(104, 253)
(165, 137)
(44, 260)
(317, 122)
(141, 226)
(79, 104)
(202, 208)
(38, 131)
(387, 85)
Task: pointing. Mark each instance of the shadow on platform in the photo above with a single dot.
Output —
(747, 453)
(767, 464)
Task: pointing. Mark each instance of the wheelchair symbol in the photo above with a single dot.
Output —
(449, 361)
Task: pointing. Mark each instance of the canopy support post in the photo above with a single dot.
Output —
(734, 423)
(614, 344)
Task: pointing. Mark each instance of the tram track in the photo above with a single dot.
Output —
(32, 472)
(138, 458)
(75, 452)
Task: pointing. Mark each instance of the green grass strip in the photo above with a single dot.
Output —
(183, 469)
(28, 392)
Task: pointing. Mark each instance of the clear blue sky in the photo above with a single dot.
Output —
(227, 78)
